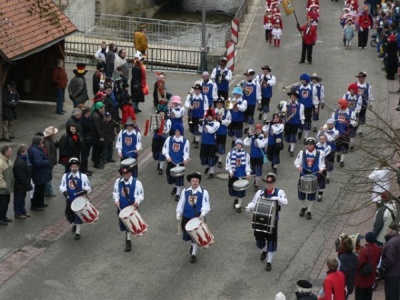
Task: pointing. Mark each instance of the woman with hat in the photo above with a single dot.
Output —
(194, 202)
(224, 118)
(222, 76)
(266, 81)
(208, 148)
(274, 132)
(309, 161)
(139, 87)
(239, 106)
(197, 104)
(176, 112)
(268, 242)
(127, 191)
(77, 88)
(294, 112)
(51, 145)
(237, 164)
(320, 96)
(73, 185)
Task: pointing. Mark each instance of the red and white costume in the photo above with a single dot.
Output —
(277, 29)
(313, 14)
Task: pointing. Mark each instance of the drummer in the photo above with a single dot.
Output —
(127, 185)
(268, 242)
(176, 151)
(310, 161)
(208, 147)
(159, 137)
(176, 111)
(238, 166)
(129, 143)
(73, 185)
(194, 202)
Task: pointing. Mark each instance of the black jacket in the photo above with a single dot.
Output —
(69, 147)
(98, 125)
(10, 102)
(74, 121)
(22, 174)
(88, 129)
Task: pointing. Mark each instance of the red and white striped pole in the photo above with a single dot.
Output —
(230, 55)
(235, 30)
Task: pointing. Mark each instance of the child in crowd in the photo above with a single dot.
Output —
(348, 33)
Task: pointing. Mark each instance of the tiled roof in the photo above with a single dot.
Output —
(26, 25)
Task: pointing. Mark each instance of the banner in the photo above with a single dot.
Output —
(288, 7)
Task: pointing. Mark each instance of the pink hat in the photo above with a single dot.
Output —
(176, 100)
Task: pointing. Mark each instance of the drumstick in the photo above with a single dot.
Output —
(179, 228)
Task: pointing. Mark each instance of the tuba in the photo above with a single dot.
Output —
(291, 86)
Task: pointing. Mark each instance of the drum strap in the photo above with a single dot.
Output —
(125, 190)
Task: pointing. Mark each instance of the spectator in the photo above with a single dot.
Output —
(71, 145)
(60, 79)
(334, 286)
(110, 58)
(385, 215)
(75, 119)
(50, 145)
(110, 103)
(110, 130)
(6, 183)
(304, 290)
(98, 136)
(121, 62)
(391, 262)
(370, 253)
(98, 78)
(348, 263)
(40, 172)
(365, 23)
(100, 54)
(391, 57)
(22, 171)
(10, 102)
(160, 93)
(87, 129)
(126, 105)
(139, 86)
(140, 40)
(77, 88)
(381, 178)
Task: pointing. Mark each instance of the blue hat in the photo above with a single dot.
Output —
(237, 90)
(305, 77)
(239, 141)
(107, 114)
(370, 237)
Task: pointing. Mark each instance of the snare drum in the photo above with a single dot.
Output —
(133, 221)
(177, 171)
(85, 210)
(308, 184)
(199, 232)
(241, 185)
(129, 163)
(264, 216)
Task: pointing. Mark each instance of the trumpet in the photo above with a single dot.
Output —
(230, 104)
(289, 87)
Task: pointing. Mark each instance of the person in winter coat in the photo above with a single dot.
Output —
(138, 81)
(348, 263)
(60, 79)
(6, 183)
(365, 22)
(385, 215)
(110, 59)
(391, 263)
(98, 134)
(309, 35)
(41, 173)
(304, 291)
(87, 129)
(110, 103)
(391, 57)
(77, 88)
(348, 33)
(50, 144)
(75, 119)
(10, 102)
(334, 286)
(22, 171)
(98, 78)
(370, 253)
(71, 145)
(110, 130)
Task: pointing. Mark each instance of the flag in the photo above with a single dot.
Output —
(288, 7)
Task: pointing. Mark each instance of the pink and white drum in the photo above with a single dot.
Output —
(133, 221)
(85, 210)
(199, 232)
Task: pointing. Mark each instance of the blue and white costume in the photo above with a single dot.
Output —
(129, 143)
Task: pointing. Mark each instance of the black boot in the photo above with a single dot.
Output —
(128, 246)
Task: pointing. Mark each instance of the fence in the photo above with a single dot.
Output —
(157, 58)
(160, 32)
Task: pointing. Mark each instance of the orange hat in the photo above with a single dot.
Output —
(258, 126)
(343, 103)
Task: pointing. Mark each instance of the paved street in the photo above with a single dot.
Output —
(40, 260)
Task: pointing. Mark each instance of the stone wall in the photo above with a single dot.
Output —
(136, 8)
(225, 6)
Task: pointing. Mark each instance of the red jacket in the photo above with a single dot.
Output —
(372, 253)
(334, 286)
(309, 34)
(60, 78)
(127, 111)
(314, 15)
(365, 20)
(277, 21)
(268, 19)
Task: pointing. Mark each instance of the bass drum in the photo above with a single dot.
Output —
(264, 216)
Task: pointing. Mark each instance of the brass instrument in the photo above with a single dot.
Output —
(291, 86)
(230, 104)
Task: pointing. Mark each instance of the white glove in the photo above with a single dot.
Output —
(250, 207)
(178, 217)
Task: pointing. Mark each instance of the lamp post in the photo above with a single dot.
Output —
(203, 58)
